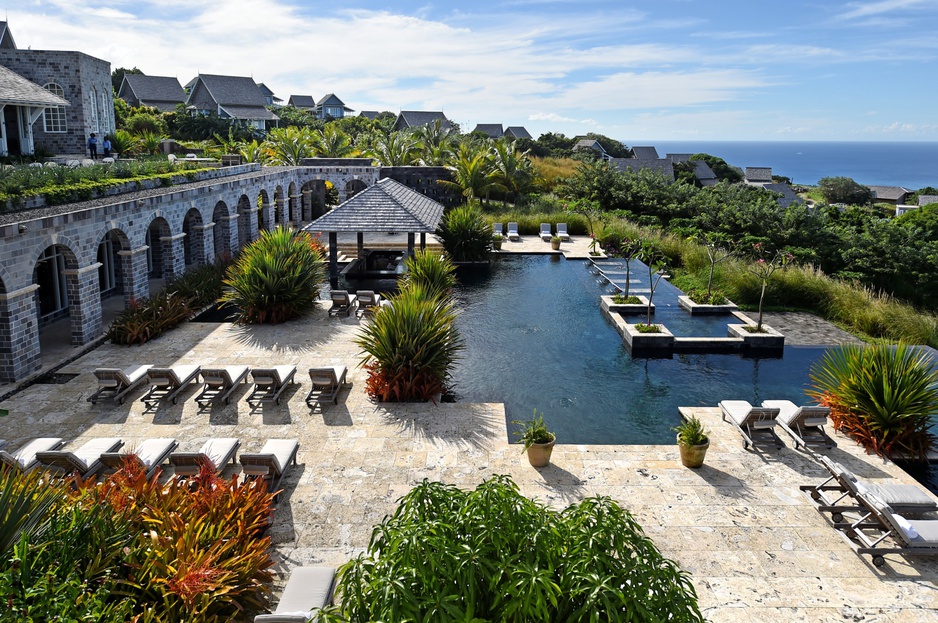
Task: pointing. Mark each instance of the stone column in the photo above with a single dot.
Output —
(249, 221)
(174, 256)
(19, 334)
(266, 215)
(203, 244)
(84, 302)
(136, 281)
(307, 203)
(296, 210)
(280, 217)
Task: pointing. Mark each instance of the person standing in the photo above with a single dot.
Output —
(93, 146)
(106, 145)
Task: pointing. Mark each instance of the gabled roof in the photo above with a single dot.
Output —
(759, 174)
(788, 195)
(704, 173)
(234, 90)
(330, 99)
(369, 114)
(302, 101)
(6, 37)
(493, 130)
(417, 118)
(589, 143)
(517, 131)
(18, 91)
(889, 193)
(678, 157)
(152, 90)
(645, 153)
(264, 89)
(664, 166)
(387, 206)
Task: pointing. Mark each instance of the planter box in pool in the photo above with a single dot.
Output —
(635, 309)
(685, 302)
(644, 343)
(770, 339)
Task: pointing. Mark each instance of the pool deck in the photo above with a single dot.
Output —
(757, 550)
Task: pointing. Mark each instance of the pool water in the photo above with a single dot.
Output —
(536, 339)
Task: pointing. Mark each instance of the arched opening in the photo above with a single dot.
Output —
(245, 216)
(194, 240)
(353, 187)
(159, 252)
(314, 199)
(280, 217)
(49, 275)
(221, 233)
(111, 277)
(264, 211)
(291, 202)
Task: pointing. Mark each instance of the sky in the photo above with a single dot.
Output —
(653, 69)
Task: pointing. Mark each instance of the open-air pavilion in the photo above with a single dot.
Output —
(388, 206)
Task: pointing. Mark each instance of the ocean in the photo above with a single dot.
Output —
(913, 165)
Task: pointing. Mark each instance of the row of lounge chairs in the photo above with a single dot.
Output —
(219, 383)
(363, 302)
(545, 234)
(104, 454)
(805, 425)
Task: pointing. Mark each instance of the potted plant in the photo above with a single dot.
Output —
(693, 441)
(538, 441)
(497, 241)
(555, 243)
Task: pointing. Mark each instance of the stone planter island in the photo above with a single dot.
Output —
(768, 339)
(685, 302)
(633, 309)
(660, 343)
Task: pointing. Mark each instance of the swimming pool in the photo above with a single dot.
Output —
(536, 338)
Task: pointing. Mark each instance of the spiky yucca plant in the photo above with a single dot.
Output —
(276, 278)
(434, 274)
(466, 235)
(884, 397)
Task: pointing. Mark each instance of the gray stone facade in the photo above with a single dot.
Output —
(86, 82)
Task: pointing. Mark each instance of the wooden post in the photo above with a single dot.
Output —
(410, 244)
(361, 245)
(423, 241)
(333, 259)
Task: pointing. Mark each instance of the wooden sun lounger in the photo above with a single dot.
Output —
(308, 589)
(216, 453)
(805, 425)
(269, 383)
(25, 459)
(166, 383)
(116, 383)
(368, 302)
(753, 423)
(85, 461)
(271, 463)
(220, 383)
(327, 382)
(149, 455)
(880, 531)
(342, 302)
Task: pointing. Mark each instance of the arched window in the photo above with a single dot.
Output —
(94, 110)
(54, 116)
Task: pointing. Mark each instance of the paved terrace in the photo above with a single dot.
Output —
(757, 550)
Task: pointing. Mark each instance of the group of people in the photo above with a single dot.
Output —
(93, 146)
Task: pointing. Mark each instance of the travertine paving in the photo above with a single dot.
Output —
(757, 550)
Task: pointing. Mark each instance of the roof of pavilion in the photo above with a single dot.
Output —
(387, 206)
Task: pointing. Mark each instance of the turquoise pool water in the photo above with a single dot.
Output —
(536, 338)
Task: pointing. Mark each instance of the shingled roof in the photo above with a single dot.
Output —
(492, 130)
(6, 37)
(890, 193)
(759, 175)
(645, 153)
(788, 194)
(517, 131)
(387, 206)
(417, 118)
(239, 96)
(18, 91)
(302, 101)
(161, 92)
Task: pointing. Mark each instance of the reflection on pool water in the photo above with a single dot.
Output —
(536, 339)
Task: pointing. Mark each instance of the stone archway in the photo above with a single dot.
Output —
(314, 199)
(293, 212)
(221, 233)
(353, 187)
(247, 222)
(280, 215)
(265, 212)
(50, 274)
(115, 275)
(161, 254)
(193, 242)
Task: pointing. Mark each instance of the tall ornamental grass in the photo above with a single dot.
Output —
(466, 234)
(491, 554)
(884, 397)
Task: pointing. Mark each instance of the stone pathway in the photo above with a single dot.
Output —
(801, 328)
(756, 549)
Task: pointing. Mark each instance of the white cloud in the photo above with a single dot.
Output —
(868, 9)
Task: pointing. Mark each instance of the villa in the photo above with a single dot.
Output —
(419, 118)
(161, 92)
(229, 97)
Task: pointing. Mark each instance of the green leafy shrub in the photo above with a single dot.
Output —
(276, 278)
(490, 554)
(534, 431)
(701, 297)
(883, 397)
(201, 285)
(434, 274)
(148, 318)
(465, 234)
(646, 328)
(691, 432)
(621, 299)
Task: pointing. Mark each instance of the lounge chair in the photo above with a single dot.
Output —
(545, 232)
(308, 589)
(842, 483)
(908, 537)
(269, 383)
(215, 452)
(271, 462)
(513, 234)
(562, 231)
(220, 382)
(751, 422)
(804, 424)
(326, 385)
(149, 455)
(342, 302)
(497, 229)
(368, 302)
(84, 461)
(25, 459)
(116, 383)
(166, 383)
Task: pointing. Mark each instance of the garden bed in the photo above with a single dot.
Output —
(685, 302)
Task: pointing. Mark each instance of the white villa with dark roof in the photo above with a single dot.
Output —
(230, 97)
(161, 92)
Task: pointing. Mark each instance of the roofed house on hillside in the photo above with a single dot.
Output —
(419, 118)
(161, 92)
(269, 97)
(369, 114)
(702, 171)
(492, 130)
(757, 176)
(645, 153)
(331, 107)
(81, 102)
(302, 102)
(517, 131)
(230, 97)
(893, 195)
(663, 166)
(591, 144)
(762, 177)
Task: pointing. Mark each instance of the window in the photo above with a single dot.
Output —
(54, 117)
(94, 111)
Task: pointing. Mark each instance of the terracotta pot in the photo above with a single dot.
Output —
(539, 453)
(693, 456)
(555, 245)
(497, 244)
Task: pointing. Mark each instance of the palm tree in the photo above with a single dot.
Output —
(513, 170)
(472, 171)
(395, 149)
(334, 143)
(437, 143)
(288, 146)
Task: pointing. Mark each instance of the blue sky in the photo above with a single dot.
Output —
(663, 69)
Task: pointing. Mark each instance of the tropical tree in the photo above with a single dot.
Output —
(465, 234)
(655, 261)
(764, 267)
(512, 170)
(473, 174)
(123, 142)
(253, 152)
(718, 250)
(844, 190)
(289, 146)
(436, 141)
(395, 149)
(334, 143)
